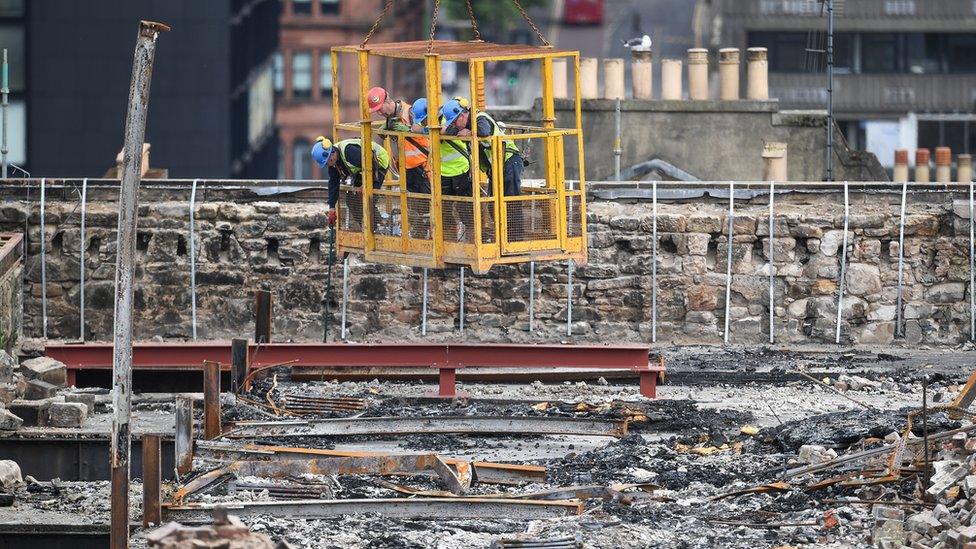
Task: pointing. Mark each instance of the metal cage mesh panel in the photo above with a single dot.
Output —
(386, 214)
(488, 223)
(574, 217)
(531, 219)
(418, 217)
(458, 220)
(351, 202)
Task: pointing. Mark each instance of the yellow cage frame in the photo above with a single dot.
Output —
(563, 209)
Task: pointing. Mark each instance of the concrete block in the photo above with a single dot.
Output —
(10, 476)
(924, 523)
(9, 421)
(32, 412)
(38, 389)
(88, 399)
(45, 369)
(67, 414)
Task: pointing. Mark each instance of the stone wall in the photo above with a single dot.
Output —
(245, 242)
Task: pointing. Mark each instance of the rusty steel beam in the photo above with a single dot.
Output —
(485, 471)
(211, 400)
(447, 358)
(465, 425)
(409, 508)
(184, 435)
(135, 133)
(151, 479)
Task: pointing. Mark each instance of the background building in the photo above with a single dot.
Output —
(211, 107)
(905, 69)
(303, 69)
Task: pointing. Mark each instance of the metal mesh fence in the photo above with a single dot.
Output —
(351, 203)
(530, 219)
(418, 216)
(458, 220)
(488, 223)
(574, 217)
(386, 214)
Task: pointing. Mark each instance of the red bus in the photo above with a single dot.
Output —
(583, 12)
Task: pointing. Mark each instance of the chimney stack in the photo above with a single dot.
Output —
(758, 84)
(728, 74)
(671, 79)
(698, 74)
(922, 158)
(900, 173)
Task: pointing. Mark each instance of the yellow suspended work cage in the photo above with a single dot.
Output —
(546, 221)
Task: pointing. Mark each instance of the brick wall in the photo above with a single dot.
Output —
(280, 243)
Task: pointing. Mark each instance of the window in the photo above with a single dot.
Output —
(278, 64)
(301, 160)
(844, 52)
(330, 7)
(879, 52)
(301, 75)
(325, 74)
(959, 53)
(924, 53)
(12, 38)
(787, 50)
(11, 8)
(301, 7)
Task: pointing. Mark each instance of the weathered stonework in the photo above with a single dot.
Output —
(245, 242)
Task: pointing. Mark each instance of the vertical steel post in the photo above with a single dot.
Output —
(461, 300)
(972, 268)
(925, 430)
(193, 259)
(263, 307)
(654, 262)
(81, 267)
(728, 271)
(423, 312)
(843, 262)
(151, 478)
(772, 268)
(569, 298)
(531, 296)
(345, 297)
(830, 89)
(901, 260)
(617, 151)
(5, 91)
(238, 365)
(183, 444)
(43, 239)
(211, 400)
(135, 130)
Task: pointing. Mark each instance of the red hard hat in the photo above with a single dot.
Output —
(375, 98)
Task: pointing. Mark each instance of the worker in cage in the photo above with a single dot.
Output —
(457, 117)
(397, 115)
(344, 160)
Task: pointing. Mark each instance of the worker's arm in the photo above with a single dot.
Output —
(335, 179)
(354, 155)
(484, 128)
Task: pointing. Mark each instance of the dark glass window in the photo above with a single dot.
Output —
(12, 38)
(787, 50)
(879, 52)
(11, 8)
(325, 74)
(302, 161)
(301, 7)
(961, 53)
(278, 73)
(924, 53)
(301, 75)
(844, 52)
(330, 7)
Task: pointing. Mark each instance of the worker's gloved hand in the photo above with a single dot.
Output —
(331, 218)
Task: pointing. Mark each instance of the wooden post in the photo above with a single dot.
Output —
(238, 365)
(211, 400)
(151, 475)
(184, 434)
(262, 316)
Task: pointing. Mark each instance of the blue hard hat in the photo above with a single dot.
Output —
(322, 151)
(419, 110)
(451, 110)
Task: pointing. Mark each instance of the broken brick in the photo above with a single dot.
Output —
(67, 414)
(38, 389)
(32, 412)
(46, 369)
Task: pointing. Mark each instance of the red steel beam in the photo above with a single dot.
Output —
(445, 357)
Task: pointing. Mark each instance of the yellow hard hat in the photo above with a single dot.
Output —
(326, 142)
(463, 102)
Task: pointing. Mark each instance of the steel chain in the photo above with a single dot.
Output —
(433, 26)
(531, 23)
(474, 23)
(376, 24)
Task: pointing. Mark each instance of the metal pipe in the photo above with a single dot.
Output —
(972, 268)
(772, 268)
(81, 267)
(135, 130)
(654, 262)
(569, 298)
(5, 92)
(728, 271)
(843, 263)
(193, 259)
(830, 89)
(462, 300)
(617, 151)
(43, 239)
(345, 297)
(531, 296)
(423, 311)
(901, 259)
